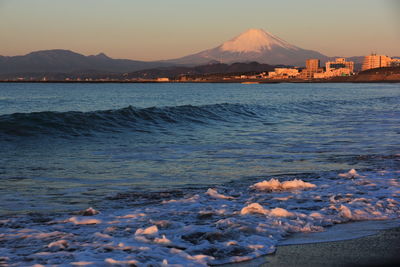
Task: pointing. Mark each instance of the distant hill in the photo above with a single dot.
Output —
(253, 45)
(212, 68)
(67, 61)
(170, 72)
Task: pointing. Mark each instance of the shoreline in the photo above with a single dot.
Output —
(378, 249)
(244, 82)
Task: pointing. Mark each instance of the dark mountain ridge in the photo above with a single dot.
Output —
(169, 72)
(212, 68)
(59, 60)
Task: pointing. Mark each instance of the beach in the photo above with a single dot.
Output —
(380, 249)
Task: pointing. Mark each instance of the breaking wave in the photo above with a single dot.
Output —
(130, 118)
(153, 119)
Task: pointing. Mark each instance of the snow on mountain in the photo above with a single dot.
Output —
(253, 45)
(255, 40)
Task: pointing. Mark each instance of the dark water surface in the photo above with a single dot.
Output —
(64, 145)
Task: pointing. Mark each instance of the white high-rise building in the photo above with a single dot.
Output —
(376, 61)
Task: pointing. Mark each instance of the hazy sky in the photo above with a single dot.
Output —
(163, 29)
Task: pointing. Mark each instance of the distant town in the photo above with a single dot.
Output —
(313, 70)
(338, 68)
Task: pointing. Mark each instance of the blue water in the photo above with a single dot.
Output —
(65, 147)
(191, 174)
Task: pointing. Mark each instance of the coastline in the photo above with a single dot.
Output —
(244, 82)
(379, 249)
(378, 75)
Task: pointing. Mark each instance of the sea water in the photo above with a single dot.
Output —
(190, 174)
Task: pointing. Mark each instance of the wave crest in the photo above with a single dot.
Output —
(74, 123)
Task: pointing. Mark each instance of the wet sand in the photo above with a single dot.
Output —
(381, 249)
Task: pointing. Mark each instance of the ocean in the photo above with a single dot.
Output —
(192, 174)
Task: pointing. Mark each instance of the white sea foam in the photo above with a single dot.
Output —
(60, 244)
(121, 263)
(274, 184)
(254, 208)
(204, 228)
(351, 174)
(279, 212)
(152, 230)
(131, 216)
(163, 240)
(192, 199)
(214, 193)
(88, 212)
(78, 221)
(82, 263)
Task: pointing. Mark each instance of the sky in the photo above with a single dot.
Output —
(165, 29)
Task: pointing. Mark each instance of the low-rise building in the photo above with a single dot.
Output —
(333, 73)
(339, 63)
(283, 73)
(339, 67)
(162, 79)
(395, 62)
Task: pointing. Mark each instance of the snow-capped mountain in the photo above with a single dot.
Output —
(253, 45)
(255, 40)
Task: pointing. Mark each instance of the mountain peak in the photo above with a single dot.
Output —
(255, 40)
(54, 52)
(102, 56)
(253, 45)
